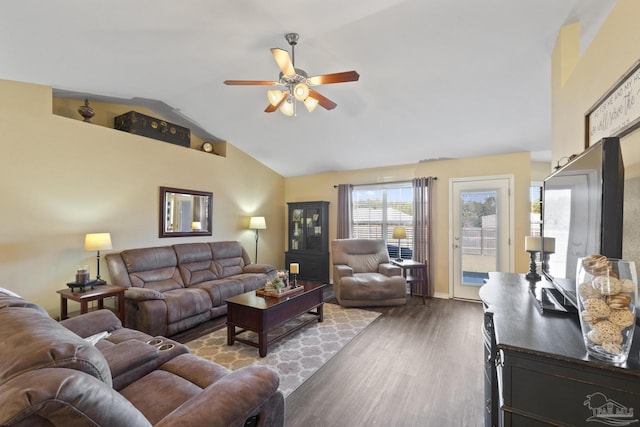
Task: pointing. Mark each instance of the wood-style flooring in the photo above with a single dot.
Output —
(416, 365)
(413, 366)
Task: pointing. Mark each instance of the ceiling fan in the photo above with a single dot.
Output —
(297, 84)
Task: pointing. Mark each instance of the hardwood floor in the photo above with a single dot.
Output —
(414, 366)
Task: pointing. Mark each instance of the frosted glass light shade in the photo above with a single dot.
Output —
(310, 103)
(301, 91)
(287, 108)
(274, 96)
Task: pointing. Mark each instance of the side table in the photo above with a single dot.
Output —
(414, 272)
(99, 293)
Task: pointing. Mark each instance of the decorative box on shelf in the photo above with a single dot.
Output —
(284, 292)
(151, 127)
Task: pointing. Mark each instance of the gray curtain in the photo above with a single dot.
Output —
(344, 211)
(422, 211)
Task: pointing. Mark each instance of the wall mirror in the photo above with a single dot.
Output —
(185, 212)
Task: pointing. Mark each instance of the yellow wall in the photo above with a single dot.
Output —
(578, 84)
(320, 187)
(61, 178)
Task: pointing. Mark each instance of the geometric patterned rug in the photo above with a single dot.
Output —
(295, 357)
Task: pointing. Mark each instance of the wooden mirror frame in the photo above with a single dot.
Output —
(167, 212)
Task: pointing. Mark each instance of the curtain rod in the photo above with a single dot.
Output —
(435, 178)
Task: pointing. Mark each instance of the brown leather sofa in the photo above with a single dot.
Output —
(52, 375)
(173, 288)
(363, 275)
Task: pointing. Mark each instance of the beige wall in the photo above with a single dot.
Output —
(577, 85)
(61, 178)
(320, 187)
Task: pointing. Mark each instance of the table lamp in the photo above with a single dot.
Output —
(97, 242)
(533, 245)
(257, 223)
(399, 233)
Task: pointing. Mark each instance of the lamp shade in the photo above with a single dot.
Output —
(399, 233)
(301, 91)
(287, 108)
(97, 241)
(310, 103)
(257, 223)
(275, 96)
(532, 243)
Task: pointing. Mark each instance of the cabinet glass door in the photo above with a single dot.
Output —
(297, 229)
(314, 229)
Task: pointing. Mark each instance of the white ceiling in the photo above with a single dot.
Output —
(438, 78)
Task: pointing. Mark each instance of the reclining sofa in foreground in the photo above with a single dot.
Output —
(174, 288)
(53, 374)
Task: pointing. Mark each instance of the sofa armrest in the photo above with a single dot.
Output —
(125, 356)
(92, 323)
(258, 268)
(135, 294)
(64, 397)
(342, 270)
(389, 269)
(230, 401)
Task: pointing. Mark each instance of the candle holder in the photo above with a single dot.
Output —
(533, 274)
(294, 281)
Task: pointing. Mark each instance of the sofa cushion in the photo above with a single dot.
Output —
(44, 344)
(229, 258)
(154, 268)
(184, 303)
(364, 263)
(221, 289)
(372, 286)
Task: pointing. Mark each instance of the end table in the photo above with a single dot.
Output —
(99, 293)
(414, 272)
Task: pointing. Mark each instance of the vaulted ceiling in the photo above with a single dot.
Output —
(438, 78)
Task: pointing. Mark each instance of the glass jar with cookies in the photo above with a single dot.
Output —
(607, 291)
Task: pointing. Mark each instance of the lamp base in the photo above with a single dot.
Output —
(99, 282)
(532, 275)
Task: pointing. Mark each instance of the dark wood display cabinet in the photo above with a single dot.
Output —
(309, 240)
(537, 370)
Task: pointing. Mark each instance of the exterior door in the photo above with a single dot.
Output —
(480, 232)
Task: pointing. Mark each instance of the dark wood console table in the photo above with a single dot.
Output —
(537, 371)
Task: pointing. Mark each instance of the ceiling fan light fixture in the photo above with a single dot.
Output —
(301, 91)
(310, 103)
(274, 96)
(287, 108)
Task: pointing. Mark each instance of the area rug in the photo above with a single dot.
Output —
(295, 357)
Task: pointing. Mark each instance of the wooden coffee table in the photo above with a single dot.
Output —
(251, 312)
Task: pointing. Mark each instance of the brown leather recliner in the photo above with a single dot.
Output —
(51, 375)
(363, 275)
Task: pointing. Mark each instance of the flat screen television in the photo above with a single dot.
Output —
(582, 211)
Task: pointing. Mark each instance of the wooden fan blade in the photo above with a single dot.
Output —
(284, 61)
(250, 82)
(323, 101)
(271, 108)
(325, 79)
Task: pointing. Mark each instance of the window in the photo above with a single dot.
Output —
(376, 209)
